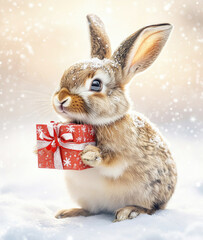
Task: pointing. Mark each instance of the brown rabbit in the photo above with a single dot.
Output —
(133, 170)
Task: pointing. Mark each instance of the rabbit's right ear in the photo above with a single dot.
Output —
(141, 49)
(100, 44)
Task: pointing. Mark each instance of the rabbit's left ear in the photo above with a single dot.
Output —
(141, 49)
(100, 44)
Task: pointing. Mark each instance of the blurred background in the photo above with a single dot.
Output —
(38, 41)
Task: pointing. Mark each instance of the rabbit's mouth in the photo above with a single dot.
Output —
(79, 118)
(70, 107)
(61, 109)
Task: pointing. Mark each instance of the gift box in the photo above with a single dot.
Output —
(59, 145)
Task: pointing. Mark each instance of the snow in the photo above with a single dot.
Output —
(30, 197)
(157, 140)
(138, 121)
(96, 63)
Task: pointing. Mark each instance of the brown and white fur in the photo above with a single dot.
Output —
(133, 170)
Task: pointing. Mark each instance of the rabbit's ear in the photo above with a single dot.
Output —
(100, 44)
(141, 49)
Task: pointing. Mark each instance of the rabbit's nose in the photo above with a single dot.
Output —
(63, 94)
(66, 102)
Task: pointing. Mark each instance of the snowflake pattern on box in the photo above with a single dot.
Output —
(92, 132)
(70, 129)
(67, 162)
(79, 139)
(39, 130)
(70, 158)
(84, 129)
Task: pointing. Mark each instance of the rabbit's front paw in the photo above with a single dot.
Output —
(126, 213)
(91, 155)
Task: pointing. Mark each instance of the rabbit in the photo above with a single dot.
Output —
(133, 171)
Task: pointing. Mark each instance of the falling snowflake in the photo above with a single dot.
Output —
(70, 129)
(67, 162)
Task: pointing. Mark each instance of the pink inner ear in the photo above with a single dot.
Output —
(149, 45)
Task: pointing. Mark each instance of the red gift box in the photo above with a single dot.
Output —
(59, 145)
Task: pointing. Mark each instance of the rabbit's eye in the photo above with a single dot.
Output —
(96, 85)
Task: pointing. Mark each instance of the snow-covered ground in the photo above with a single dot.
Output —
(30, 197)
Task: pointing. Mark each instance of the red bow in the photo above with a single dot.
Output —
(56, 138)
